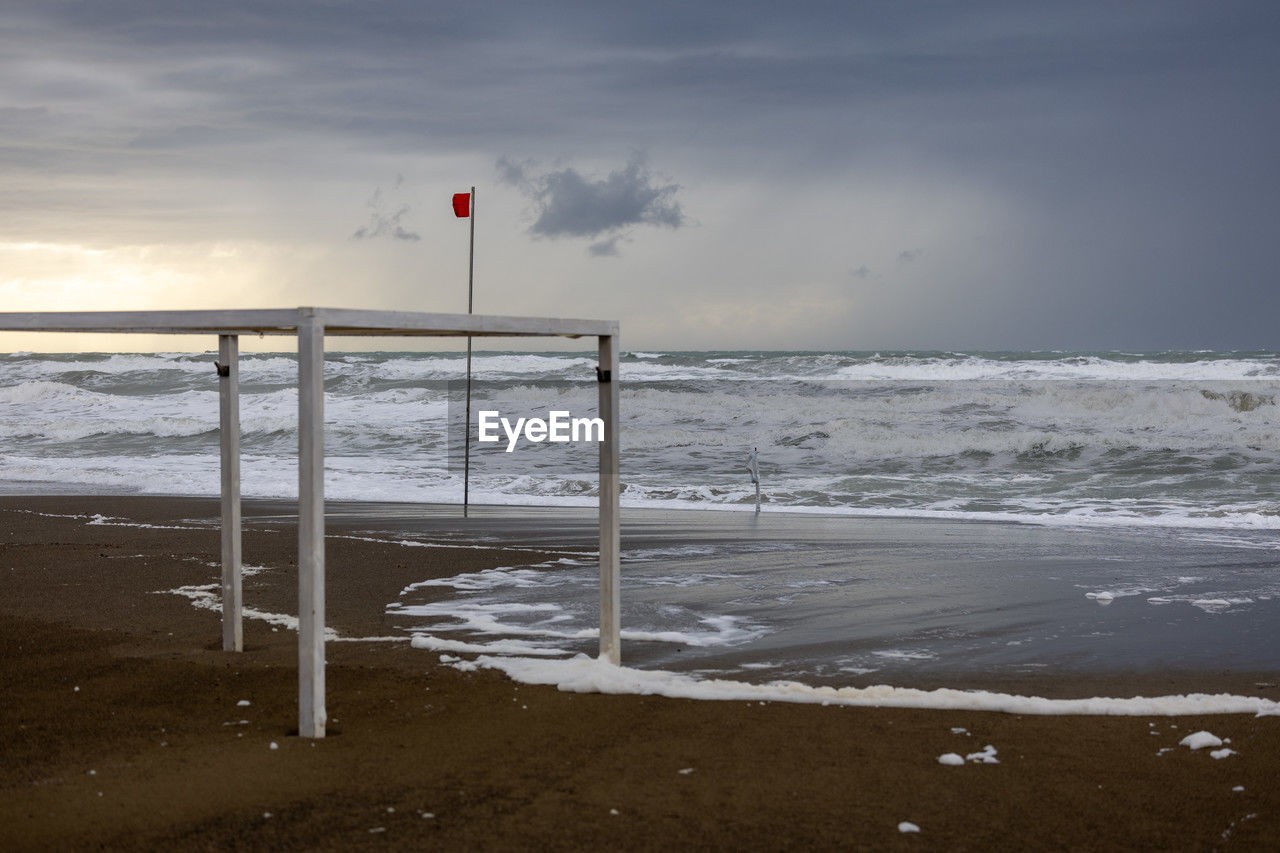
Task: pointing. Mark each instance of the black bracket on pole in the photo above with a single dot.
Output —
(604, 375)
(224, 370)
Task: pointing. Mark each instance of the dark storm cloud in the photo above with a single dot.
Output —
(906, 256)
(570, 204)
(1135, 140)
(841, 78)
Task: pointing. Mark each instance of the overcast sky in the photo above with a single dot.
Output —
(985, 175)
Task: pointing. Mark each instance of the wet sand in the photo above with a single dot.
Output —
(498, 765)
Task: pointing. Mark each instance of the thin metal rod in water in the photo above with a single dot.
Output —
(471, 272)
(753, 465)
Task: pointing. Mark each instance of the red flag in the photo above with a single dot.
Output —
(462, 205)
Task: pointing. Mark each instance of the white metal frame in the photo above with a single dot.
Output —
(311, 325)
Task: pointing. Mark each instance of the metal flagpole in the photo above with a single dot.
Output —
(471, 271)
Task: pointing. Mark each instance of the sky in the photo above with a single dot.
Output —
(714, 175)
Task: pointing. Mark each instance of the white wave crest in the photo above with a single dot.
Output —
(582, 674)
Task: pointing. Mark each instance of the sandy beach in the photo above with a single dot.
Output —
(124, 728)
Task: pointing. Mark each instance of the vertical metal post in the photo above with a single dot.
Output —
(610, 574)
(753, 466)
(311, 711)
(229, 440)
(471, 272)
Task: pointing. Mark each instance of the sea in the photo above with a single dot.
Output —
(918, 509)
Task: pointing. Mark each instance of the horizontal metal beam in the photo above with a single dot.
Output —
(339, 321)
(285, 321)
(272, 322)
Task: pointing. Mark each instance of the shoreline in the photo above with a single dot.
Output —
(499, 764)
(445, 544)
(1119, 524)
